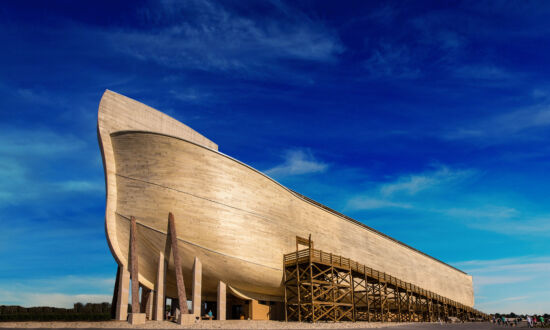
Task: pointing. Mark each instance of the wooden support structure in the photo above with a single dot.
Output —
(197, 286)
(320, 286)
(173, 237)
(134, 266)
(153, 301)
(123, 291)
(160, 285)
(221, 303)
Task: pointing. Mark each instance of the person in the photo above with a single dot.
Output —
(529, 321)
(210, 313)
(534, 318)
(542, 320)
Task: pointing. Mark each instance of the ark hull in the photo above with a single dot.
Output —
(238, 221)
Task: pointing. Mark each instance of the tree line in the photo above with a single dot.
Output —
(79, 312)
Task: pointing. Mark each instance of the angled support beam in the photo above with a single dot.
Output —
(177, 264)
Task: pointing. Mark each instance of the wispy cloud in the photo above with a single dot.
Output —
(482, 72)
(503, 127)
(213, 37)
(391, 61)
(412, 184)
(297, 162)
(22, 153)
(366, 203)
(25, 142)
(502, 219)
(400, 192)
(521, 280)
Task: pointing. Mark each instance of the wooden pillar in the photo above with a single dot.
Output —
(177, 264)
(299, 287)
(311, 281)
(146, 302)
(115, 294)
(221, 300)
(122, 294)
(159, 300)
(197, 285)
(134, 266)
(352, 284)
(398, 296)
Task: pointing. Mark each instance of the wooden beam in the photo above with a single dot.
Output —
(134, 266)
(221, 303)
(177, 264)
(197, 287)
(122, 294)
(114, 302)
(160, 284)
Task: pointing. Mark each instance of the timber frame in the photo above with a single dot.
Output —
(321, 286)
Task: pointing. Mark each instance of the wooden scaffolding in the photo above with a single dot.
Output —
(321, 286)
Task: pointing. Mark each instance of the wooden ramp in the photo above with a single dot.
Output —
(321, 286)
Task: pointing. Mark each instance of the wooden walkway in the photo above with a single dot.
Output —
(321, 286)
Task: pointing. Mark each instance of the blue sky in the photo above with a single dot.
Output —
(429, 121)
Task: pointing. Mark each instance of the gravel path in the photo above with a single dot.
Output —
(238, 324)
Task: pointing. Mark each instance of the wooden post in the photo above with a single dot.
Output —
(114, 302)
(286, 294)
(197, 286)
(122, 294)
(298, 286)
(311, 281)
(177, 264)
(158, 309)
(146, 302)
(221, 300)
(134, 266)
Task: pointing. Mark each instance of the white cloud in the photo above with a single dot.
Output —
(25, 142)
(482, 72)
(502, 127)
(412, 184)
(79, 186)
(22, 153)
(391, 61)
(297, 162)
(400, 192)
(207, 36)
(502, 220)
(366, 203)
(516, 284)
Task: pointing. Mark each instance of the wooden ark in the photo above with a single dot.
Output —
(235, 219)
